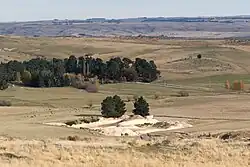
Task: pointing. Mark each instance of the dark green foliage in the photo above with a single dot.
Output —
(199, 56)
(113, 107)
(147, 71)
(71, 64)
(12, 68)
(141, 107)
(108, 108)
(3, 84)
(127, 62)
(39, 72)
(58, 71)
(120, 106)
(46, 79)
(114, 68)
(130, 74)
(37, 64)
(4, 76)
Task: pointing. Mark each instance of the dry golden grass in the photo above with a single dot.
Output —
(187, 152)
(66, 103)
(162, 51)
(75, 98)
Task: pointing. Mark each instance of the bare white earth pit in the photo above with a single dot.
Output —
(127, 126)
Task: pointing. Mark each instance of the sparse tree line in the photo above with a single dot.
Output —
(39, 72)
(115, 107)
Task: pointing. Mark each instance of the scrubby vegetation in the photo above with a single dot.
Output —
(39, 72)
(183, 94)
(73, 138)
(5, 103)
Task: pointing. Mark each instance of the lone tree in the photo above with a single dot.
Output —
(141, 107)
(199, 56)
(113, 107)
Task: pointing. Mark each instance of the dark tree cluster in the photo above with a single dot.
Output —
(39, 72)
(115, 107)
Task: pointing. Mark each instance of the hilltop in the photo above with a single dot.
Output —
(189, 27)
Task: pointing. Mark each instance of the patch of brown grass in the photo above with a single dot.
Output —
(5, 103)
(181, 94)
(156, 96)
(73, 138)
(185, 152)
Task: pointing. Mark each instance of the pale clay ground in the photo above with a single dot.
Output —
(125, 126)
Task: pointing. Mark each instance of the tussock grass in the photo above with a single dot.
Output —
(187, 152)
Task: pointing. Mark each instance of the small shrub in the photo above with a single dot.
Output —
(91, 88)
(163, 125)
(90, 119)
(113, 107)
(199, 56)
(73, 138)
(238, 85)
(141, 107)
(242, 85)
(90, 104)
(227, 84)
(67, 79)
(5, 103)
(183, 94)
(79, 84)
(93, 85)
(75, 122)
(156, 96)
(76, 81)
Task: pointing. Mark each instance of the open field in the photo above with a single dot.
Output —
(210, 108)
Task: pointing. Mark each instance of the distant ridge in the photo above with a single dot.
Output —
(165, 19)
(170, 27)
(148, 19)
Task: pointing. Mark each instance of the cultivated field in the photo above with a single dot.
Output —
(210, 108)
